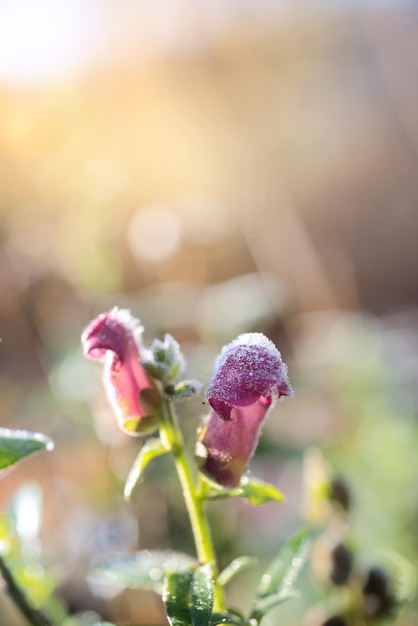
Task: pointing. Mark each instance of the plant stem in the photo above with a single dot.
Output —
(172, 437)
(34, 617)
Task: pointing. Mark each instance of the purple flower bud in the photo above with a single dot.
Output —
(247, 368)
(248, 373)
(115, 338)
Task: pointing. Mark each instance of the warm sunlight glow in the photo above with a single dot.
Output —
(44, 40)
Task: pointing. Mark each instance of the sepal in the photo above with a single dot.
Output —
(164, 360)
(255, 491)
(183, 390)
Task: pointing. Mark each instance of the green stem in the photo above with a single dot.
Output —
(34, 617)
(172, 438)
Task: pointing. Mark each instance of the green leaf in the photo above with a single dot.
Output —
(237, 565)
(176, 597)
(151, 449)
(259, 492)
(16, 444)
(144, 570)
(280, 577)
(264, 605)
(183, 390)
(229, 619)
(256, 491)
(82, 619)
(282, 572)
(202, 594)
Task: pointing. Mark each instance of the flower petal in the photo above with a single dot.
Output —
(115, 338)
(228, 445)
(247, 368)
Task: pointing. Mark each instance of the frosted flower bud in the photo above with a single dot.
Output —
(248, 373)
(164, 360)
(115, 339)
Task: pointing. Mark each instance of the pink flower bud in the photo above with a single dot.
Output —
(115, 338)
(248, 373)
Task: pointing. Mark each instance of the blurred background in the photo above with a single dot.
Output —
(217, 167)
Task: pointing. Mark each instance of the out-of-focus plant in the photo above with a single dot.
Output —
(21, 545)
(358, 594)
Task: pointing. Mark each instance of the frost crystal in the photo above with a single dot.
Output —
(247, 368)
(247, 374)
